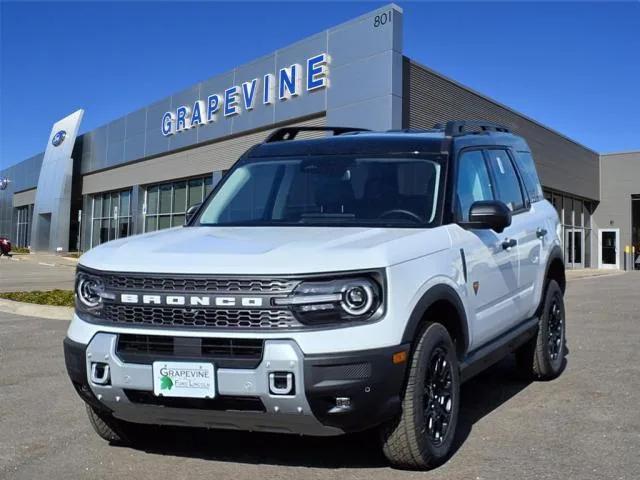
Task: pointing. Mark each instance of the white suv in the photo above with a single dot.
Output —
(326, 286)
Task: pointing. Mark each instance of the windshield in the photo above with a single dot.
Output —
(328, 191)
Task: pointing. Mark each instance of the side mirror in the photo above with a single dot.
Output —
(489, 214)
(191, 212)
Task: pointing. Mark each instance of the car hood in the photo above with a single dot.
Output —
(265, 250)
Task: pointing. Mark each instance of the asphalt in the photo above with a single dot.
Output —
(584, 425)
(23, 273)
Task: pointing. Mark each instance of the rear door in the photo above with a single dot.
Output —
(538, 230)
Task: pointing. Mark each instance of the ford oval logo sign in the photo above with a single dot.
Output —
(4, 183)
(58, 138)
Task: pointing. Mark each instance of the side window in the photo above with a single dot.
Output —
(507, 184)
(473, 184)
(527, 168)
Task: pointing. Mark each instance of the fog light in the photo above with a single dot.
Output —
(281, 383)
(343, 402)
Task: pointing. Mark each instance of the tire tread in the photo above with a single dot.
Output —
(401, 444)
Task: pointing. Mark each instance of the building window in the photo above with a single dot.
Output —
(575, 217)
(111, 216)
(167, 203)
(23, 226)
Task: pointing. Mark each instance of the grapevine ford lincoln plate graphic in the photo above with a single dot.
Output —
(183, 379)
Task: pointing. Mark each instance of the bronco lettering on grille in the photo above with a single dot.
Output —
(193, 300)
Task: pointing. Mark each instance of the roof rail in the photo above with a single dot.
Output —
(457, 128)
(289, 133)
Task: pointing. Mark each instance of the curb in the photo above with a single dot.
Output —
(34, 310)
(598, 275)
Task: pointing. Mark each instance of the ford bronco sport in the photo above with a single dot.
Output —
(329, 285)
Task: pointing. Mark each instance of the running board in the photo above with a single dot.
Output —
(494, 351)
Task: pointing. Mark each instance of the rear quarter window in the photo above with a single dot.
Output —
(527, 168)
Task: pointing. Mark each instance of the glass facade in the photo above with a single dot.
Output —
(23, 226)
(167, 203)
(575, 217)
(111, 216)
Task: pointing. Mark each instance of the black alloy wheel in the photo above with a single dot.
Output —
(555, 330)
(438, 402)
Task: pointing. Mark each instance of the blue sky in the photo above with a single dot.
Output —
(572, 66)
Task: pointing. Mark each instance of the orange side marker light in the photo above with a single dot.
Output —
(399, 357)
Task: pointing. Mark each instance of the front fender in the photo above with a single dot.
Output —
(435, 293)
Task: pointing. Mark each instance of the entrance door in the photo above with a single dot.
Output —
(609, 246)
(574, 247)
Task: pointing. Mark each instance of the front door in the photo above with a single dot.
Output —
(492, 267)
(609, 246)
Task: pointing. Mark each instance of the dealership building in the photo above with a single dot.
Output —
(141, 172)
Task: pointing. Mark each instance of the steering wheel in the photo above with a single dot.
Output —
(401, 211)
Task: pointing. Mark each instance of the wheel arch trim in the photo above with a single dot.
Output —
(437, 293)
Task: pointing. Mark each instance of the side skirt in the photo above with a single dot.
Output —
(494, 351)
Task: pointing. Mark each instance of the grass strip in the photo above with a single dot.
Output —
(59, 298)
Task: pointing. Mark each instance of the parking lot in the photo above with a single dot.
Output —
(36, 272)
(585, 425)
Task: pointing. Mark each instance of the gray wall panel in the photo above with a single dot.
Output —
(563, 164)
(134, 147)
(136, 122)
(115, 153)
(619, 179)
(98, 147)
(371, 77)
(116, 130)
(356, 39)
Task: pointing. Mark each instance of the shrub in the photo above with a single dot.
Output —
(60, 298)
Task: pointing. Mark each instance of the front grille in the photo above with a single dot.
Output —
(203, 284)
(197, 317)
(226, 403)
(223, 352)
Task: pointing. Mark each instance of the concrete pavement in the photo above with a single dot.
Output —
(23, 273)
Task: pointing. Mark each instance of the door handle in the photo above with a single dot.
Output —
(508, 243)
(541, 232)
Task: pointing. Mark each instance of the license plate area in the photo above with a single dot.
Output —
(184, 379)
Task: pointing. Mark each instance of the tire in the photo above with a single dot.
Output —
(108, 427)
(418, 439)
(543, 357)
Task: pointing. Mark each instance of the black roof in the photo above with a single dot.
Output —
(353, 143)
(396, 142)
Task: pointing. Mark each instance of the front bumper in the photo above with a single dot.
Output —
(371, 381)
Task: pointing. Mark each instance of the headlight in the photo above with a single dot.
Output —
(89, 292)
(325, 302)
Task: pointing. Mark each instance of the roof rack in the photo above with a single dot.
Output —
(457, 128)
(289, 133)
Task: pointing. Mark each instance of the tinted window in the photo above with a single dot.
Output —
(507, 184)
(331, 190)
(473, 183)
(527, 168)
